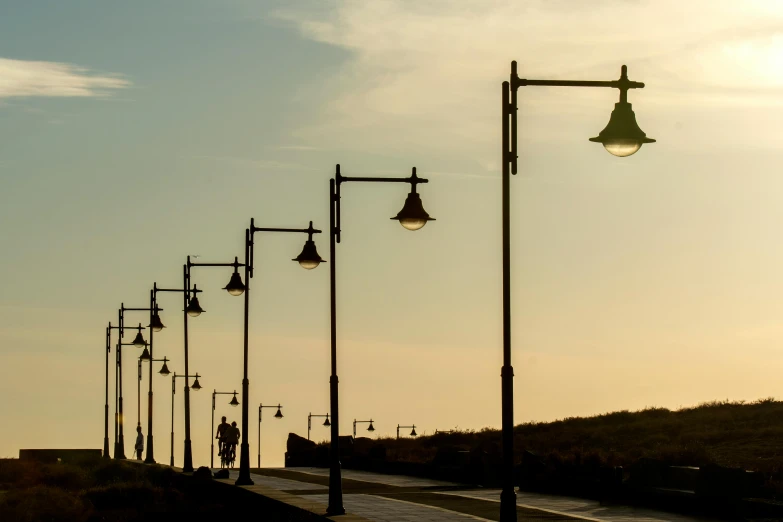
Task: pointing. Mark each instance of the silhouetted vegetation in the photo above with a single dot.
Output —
(730, 434)
(109, 490)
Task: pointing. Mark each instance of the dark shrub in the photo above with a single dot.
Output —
(44, 504)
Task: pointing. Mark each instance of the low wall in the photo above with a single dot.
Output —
(56, 455)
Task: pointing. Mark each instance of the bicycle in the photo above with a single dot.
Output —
(228, 455)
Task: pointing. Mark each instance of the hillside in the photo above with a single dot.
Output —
(731, 434)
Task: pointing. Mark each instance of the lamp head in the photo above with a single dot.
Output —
(279, 414)
(370, 428)
(309, 258)
(413, 432)
(194, 308)
(235, 285)
(326, 422)
(622, 135)
(234, 401)
(139, 341)
(413, 216)
(155, 323)
(165, 369)
(196, 386)
(145, 355)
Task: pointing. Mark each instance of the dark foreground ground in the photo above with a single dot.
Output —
(124, 491)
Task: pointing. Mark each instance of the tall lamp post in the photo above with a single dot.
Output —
(278, 415)
(191, 308)
(412, 217)
(196, 386)
(310, 422)
(139, 342)
(307, 259)
(106, 451)
(413, 430)
(369, 428)
(234, 402)
(119, 419)
(621, 137)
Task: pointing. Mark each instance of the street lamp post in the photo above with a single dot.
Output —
(196, 386)
(412, 217)
(106, 451)
(307, 259)
(139, 342)
(157, 325)
(234, 402)
(310, 423)
(621, 137)
(119, 419)
(413, 430)
(193, 308)
(369, 428)
(278, 415)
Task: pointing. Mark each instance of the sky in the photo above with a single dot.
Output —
(133, 134)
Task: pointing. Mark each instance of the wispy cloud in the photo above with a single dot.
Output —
(22, 78)
(430, 72)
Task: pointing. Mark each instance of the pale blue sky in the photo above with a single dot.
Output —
(649, 280)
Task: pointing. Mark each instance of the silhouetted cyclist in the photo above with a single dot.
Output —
(221, 434)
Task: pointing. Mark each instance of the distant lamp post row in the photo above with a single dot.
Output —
(278, 415)
(413, 430)
(310, 422)
(233, 402)
(621, 137)
(196, 386)
(412, 217)
(369, 428)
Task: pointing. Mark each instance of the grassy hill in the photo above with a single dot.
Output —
(732, 434)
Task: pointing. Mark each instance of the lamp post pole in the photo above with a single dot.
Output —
(196, 386)
(233, 402)
(369, 428)
(621, 137)
(157, 325)
(189, 310)
(310, 423)
(413, 217)
(106, 451)
(413, 430)
(119, 419)
(308, 259)
(278, 415)
(138, 394)
(150, 310)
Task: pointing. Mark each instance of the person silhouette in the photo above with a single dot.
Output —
(221, 434)
(139, 447)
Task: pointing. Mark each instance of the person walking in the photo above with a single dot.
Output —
(139, 443)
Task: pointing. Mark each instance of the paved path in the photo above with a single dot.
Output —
(387, 498)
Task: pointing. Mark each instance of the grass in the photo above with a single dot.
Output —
(109, 490)
(732, 434)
